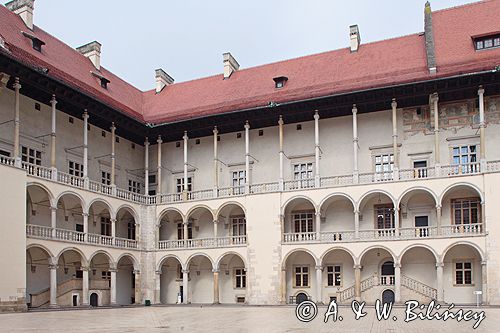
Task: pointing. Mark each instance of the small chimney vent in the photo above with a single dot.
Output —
(92, 51)
(162, 80)
(23, 8)
(355, 37)
(230, 64)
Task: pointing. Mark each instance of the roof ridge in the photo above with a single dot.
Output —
(474, 3)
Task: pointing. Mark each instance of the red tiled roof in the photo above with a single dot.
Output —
(388, 62)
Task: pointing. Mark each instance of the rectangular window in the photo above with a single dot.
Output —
(105, 226)
(238, 224)
(105, 178)
(134, 186)
(303, 172)
(466, 211)
(152, 179)
(384, 165)
(238, 180)
(465, 158)
(384, 216)
(30, 155)
(180, 231)
(240, 278)
(131, 230)
(180, 184)
(334, 275)
(106, 275)
(303, 221)
(75, 169)
(487, 42)
(4, 153)
(463, 273)
(301, 276)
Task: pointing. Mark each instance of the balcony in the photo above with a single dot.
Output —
(464, 230)
(212, 242)
(42, 232)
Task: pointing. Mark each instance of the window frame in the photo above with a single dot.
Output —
(238, 221)
(134, 186)
(236, 176)
(463, 261)
(302, 220)
(392, 216)
(494, 39)
(27, 157)
(242, 276)
(73, 170)
(302, 274)
(470, 200)
(334, 275)
(179, 184)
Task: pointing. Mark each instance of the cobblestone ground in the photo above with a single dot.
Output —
(227, 319)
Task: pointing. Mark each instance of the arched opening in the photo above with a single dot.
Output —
(125, 224)
(300, 276)
(299, 221)
(172, 230)
(200, 223)
(201, 284)
(377, 218)
(337, 219)
(125, 281)
(37, 277)
(69, 277)
(418, 214)
(38, 206)
(377, 273)
(301, 297)
(100, 222)
(231, 222)
(338, 276)
(70, 216)
(232, 279)
(461, 211)
(463, 274)
(171, 287)
(100, 278)
(94, 300)
(418, 274)
(388, 296)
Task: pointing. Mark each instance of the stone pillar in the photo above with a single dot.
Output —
(437, 160)
(185, 225)
(158, 170)
(397, 282)
(216, 286)
(185, 286)
(318, 225)
(319, 284)
(438, 219)
(215, 228)
(283, 286)
(53, 283)
(247, 157)
(281, 154)
(355, 140)
(53, 220)
(158, 287)
(356, 224)
(85, 286)
(146, 166)
(483, 216)
(396, 221)
(394, 106)
(17, 123)
(484, 282)
(85, 149)
(482, 125)
(85, 226)
(185, 187)
(137, 286)
(216, 162)
(113, 286)
(53, 164)
(316, 150)
(113, 159)
(113, 228)
(440, 289)
(357, 282)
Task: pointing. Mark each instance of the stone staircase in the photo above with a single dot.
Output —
(366, 284)
(418, 287)
(42, 298)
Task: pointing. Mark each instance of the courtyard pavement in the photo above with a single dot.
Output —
(261, 319)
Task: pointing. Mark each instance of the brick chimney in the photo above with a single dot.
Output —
(162, 80)
(230, 64)
(23, 8)
(354, 37)
(92, 51)
(429, 39)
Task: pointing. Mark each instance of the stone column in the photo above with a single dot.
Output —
(440, 289)
(158, 287)
(85, 286)
(85, 226)
(318, 225)
(357, 282)
(215, 228)
(146, 166)
(186, 233)
(319, 284)
(281, 154)
(394, 106)
(355, 140)
(356, 224)
(17, 123)
(113, 159)
(247, 157)
(483, 216)
(53, 282)
(283, 286)
(216, 286)
(137, 286)
(85, 150)
(53, 220)
(438, 219)
(396, 221)
(158, 170)
(484, 282)
(53, 164)
(113, 286)
(316, 150)
(113, 228)
(185, 187)
(397, 282)
(482, 125)
(437, 160)
(185, 286)
(216, 162)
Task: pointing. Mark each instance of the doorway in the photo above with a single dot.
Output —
(301, 297)
(421, 223)
(75, 300)
(388, 296)
(94, 300)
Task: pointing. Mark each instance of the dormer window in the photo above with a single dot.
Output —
(102, 79)
(487, 42)
(280, 81)
(36, 42)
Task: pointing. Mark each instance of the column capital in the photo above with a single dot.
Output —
(356, 212)
(185, 136)
(280, 121)
(216, 221)
(53, 101)
(319, 267)
(439, 264)
(113, 127)
(438, 206)
(397, 265)
(357, 266)
(483, 262)
(215, 271)
(85, 114)
(113, 270)
(318, 213)
(136, 272)
(16, 84)
(85, 268)
(316, 115)
(215, 131)
(85, 214)
(53, 266)
(394, 104)
(159, 140)
(158, 272)
(247, 125)
(53, 209)
(434, 97)
(146, 141)
(480, 91)
(186, 271)
(113, 220)
(354, 109)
